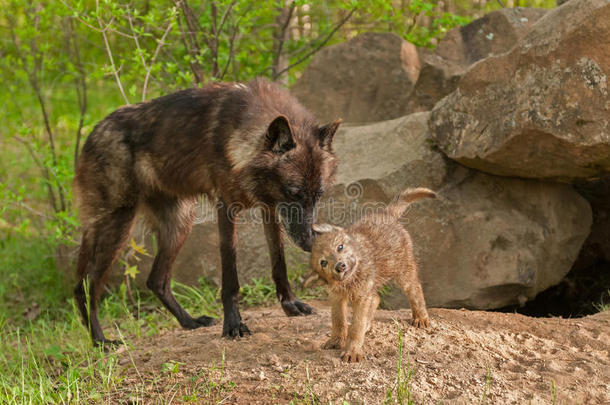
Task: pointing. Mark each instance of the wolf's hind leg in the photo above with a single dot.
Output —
(291, 305)
(172, 220)
(102, 241)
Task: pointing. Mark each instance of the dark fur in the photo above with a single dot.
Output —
(238, 144)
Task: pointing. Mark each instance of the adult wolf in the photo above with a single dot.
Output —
(240, 144)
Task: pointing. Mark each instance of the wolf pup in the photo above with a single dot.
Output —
(356, 261)
(242, 145)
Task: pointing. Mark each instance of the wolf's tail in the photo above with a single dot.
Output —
(400, 203)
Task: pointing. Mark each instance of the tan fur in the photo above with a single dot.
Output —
(374, 250)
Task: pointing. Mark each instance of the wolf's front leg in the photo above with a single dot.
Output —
(232, 326)
(291, 305)
(339, 323)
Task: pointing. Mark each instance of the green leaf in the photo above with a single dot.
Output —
(132, 271)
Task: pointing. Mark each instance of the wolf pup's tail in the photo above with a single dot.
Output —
(400, 203)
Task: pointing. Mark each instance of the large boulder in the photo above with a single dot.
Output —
(486, 242)
(368, 78)
(541, 110)
(492, 34)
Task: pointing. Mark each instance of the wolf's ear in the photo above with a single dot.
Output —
(323, 228)
(327, 132)
(279, 137)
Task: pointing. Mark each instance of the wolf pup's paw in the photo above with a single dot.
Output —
(296, 308)
(334, 343)
(352, 355)
(420, 322)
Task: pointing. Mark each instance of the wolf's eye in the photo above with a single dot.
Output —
(294, 193)
(323, 263)
(339, 248)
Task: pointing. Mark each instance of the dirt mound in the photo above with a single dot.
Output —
(465, 357)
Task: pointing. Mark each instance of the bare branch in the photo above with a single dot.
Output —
(80, 84)
(154, 58)
(231, 52)
(136, 40)
(43, 169)
(226, 13)
(33, 80)
(283, 18)
(190, 37)
(320, 44)
(115, 72)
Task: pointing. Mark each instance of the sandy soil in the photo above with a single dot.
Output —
(465, 357)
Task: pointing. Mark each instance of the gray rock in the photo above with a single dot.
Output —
(368, 78)
(541, 110)
(492, 34)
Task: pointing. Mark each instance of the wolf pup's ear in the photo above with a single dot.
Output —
(323, 228)
(279, 136)
(313, 280)
(327, 132)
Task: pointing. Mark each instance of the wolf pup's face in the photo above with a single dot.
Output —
(334, 256)
(296, 166)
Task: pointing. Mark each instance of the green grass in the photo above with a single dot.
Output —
(46, 354)
(603, 306)
(400, 392)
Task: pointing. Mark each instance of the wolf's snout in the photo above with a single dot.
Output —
(306, 244)
(340, 267)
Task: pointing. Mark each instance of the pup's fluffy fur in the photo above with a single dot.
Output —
(357, 260)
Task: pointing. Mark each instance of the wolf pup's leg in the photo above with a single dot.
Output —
(354, 351)
(172, 221)
(232, 326)
(102, 242)
(339, 323)
(291, 305)
(373, 308)
(410, 284)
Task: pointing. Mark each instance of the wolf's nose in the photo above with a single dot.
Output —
(340, 267)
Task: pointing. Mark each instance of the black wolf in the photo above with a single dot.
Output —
(240, 144)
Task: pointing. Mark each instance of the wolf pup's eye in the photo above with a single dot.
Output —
(323, 263)
(339, 248)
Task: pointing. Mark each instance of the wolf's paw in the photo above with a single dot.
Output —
(296, 308)
(420, 322)
(194, 323)
(204, 320)
(236, 331)
(107, 344)
(352, 355)
(334, 343)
